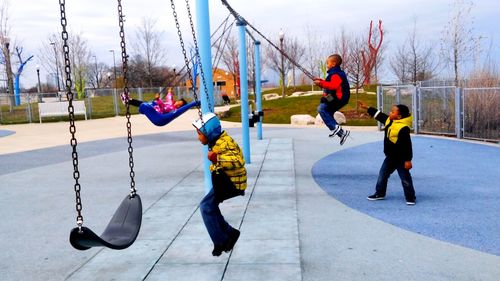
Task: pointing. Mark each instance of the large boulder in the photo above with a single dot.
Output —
(302, 119)
(271, 96)
(339, 117)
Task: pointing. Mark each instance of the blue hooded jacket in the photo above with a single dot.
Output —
(211, 128)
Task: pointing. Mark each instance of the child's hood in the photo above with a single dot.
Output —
(210, 127)
(407, 121)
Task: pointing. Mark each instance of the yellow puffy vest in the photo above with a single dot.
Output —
(396, 126)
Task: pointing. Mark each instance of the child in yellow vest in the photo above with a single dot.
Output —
(397, 149)
(229, 179)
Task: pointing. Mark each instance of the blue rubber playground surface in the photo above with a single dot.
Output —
(457, 185)
(4, 133)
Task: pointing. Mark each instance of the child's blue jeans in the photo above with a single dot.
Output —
(388, 167)
(217, 227)
(326, 111)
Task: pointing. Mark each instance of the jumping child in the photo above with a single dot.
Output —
(336, 95)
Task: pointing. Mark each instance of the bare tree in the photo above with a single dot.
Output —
(6, 50)
(380, 57)
(342, 46)
(370, 55)
(296, 52)
(292, 48)
(316, 51)
(148, 46)
(354, 68)
(96, 72)
(458, 40)
(52, 56)
(312, 52)
(420, 59)
(399, 64)
(80, 59)
(230, 60)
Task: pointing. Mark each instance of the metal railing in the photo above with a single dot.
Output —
(472, 113)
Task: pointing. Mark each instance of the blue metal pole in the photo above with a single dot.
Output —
(242, 57)
(17, 90)
(207, 99)
(258, 84)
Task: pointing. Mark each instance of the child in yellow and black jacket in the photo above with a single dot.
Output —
(229, 179)
(397, 149)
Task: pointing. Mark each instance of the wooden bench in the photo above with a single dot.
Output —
(51, 109)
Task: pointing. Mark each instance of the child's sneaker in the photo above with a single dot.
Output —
(232, 240)
(410, 202)
(343, 138)
(335, 131)
(217, 251)
(124, 98)
(375, 197)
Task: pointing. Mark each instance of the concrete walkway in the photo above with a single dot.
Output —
(291, 228)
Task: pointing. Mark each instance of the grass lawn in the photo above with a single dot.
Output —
(279, 111)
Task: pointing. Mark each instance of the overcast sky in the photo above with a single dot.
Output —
(32, 21)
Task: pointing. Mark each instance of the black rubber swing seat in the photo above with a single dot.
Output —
(121, 232)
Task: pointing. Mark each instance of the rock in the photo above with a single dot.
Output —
(318, 120)
(271, 96)
(339, 117)
(296, 94)
(302, 119)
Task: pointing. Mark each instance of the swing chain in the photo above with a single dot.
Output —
(71, 112)
(186, 60)
(240, 18)
(133, 190)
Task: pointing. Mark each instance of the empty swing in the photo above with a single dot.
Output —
(124, 226)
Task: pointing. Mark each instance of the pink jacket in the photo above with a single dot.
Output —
(164, 107)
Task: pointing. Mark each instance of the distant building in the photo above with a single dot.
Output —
(223, 82)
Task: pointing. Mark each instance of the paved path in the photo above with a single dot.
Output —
(291, 228)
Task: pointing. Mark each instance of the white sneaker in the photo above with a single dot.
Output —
(124, 98)
(335, 131)
(343, 138)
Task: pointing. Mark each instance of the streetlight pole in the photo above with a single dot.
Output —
(109, 77)
(114, 66)
(57, 67)
(175, 75)
(96, 74)
(282, 37)
(39, 86)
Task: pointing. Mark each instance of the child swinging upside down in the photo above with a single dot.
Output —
(229, 179)
(160, 106)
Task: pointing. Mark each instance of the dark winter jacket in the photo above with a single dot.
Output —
(397, 141)
(335, 86)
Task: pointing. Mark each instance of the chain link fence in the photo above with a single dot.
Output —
(99, 103)
(481, 107)
(441, 109)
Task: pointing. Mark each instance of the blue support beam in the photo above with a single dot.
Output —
(206, 97)
(242, 57)
(258, 91)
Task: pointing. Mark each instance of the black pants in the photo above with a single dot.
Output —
(135, 102)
